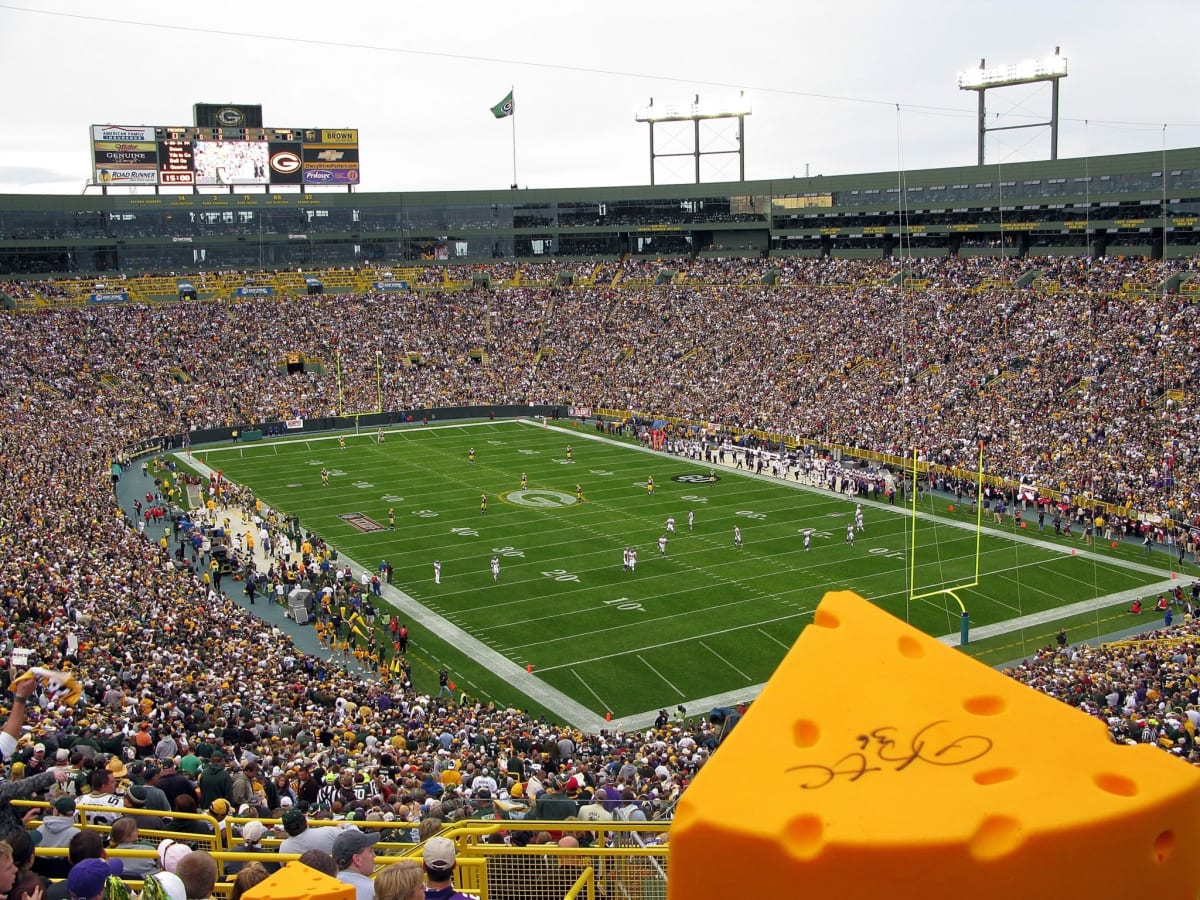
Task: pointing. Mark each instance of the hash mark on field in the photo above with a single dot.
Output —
(659, 674)
(724, 660)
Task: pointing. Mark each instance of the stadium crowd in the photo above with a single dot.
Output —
(1068, 386)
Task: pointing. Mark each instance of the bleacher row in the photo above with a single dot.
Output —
(629, 273)
(224, 285)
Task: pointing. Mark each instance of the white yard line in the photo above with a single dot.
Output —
(666, 681)
(724, 660)
(685, 640)
(588, 688)
(772, 637)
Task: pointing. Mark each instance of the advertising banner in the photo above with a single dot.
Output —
(126, 176)
(330, 176)
(123, 133)
(129, 159)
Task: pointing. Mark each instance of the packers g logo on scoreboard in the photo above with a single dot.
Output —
(231, 117)
(285, 162)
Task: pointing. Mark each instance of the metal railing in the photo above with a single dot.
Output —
(497, 859)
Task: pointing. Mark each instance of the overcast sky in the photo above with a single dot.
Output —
(835, 87)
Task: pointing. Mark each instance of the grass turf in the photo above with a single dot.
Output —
(707, 619)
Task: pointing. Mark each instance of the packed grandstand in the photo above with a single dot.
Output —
(1081, 378)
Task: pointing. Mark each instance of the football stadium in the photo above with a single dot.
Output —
(420, 532)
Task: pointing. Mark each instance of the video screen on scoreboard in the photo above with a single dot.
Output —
(231, 162)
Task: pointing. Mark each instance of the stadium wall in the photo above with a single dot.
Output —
(371, 421)
(1147, 202)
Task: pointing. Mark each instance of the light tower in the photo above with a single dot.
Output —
(696, 112)
(1052, 69)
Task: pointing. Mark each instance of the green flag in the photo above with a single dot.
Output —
(504, 108)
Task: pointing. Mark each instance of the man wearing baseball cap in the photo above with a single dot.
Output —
(439, 860)
(173, 783)
(57, 828)
(354, 853)
(301, 837)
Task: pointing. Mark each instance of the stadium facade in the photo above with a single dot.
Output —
(1137, 204)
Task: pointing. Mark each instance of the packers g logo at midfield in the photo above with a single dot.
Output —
(539, 498)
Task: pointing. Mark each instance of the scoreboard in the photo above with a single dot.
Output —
(190, 155)
(194, 133)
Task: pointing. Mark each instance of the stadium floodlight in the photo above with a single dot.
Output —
(1020, 73)
(695, 112)
(676, 112)
(981, 80)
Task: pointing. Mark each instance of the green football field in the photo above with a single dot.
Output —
(566, 628)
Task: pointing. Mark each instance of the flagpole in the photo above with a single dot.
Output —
(513, 118)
